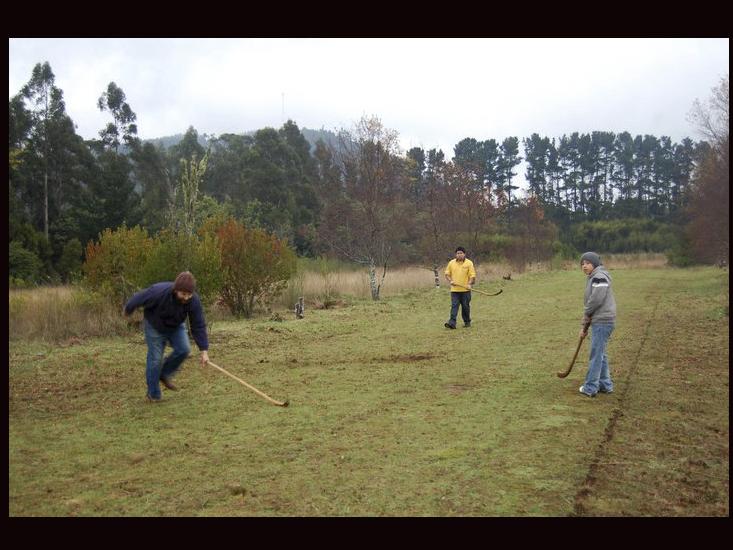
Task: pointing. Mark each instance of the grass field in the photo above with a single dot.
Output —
(391, 414)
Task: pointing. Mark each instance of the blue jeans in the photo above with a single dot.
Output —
(599, 376)
(156, 367)
(464, 299)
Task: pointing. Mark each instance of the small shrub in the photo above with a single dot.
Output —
(175, 252)
(679, 257)
(680, 254)
(256, 267)
(16, 283)
(115, 265)
(23, 265)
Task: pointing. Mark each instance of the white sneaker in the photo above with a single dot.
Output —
(581, 389)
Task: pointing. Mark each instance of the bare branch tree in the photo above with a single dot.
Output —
(360, 220)
(434, 216)
(712, 119)
(709, 207)
(473, 212)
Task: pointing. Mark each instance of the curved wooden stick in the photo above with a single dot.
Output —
(258, 392)
(480, 291)
(564, 373)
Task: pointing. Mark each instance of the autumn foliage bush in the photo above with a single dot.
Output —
(241, 266)
(256, 266)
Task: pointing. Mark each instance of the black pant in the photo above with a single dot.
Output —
(464, 299)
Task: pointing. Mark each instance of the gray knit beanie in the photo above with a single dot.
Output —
(591, 257)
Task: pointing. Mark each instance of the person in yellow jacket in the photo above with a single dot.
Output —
(461, 274)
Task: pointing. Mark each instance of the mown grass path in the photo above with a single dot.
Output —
(392, 414)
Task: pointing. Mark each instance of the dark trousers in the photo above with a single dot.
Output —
(464, 299)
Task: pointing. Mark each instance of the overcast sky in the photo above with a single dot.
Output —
(433, 92)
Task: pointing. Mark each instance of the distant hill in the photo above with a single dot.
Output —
(312, 136)
(329, 137)
(169, 141)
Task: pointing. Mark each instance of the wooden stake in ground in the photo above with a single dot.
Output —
(258, 392)
(299, 308)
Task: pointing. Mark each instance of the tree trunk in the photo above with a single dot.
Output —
(373, 281)
(45, 204)
(437, 278)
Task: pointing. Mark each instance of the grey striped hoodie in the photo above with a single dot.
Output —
(600, 305)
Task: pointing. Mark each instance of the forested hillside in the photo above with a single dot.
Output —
(352, 192)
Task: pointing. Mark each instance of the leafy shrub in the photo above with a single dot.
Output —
(33, 240)
(16, 283)
(256, 266)
(115, 266)
(681, 254)
(23, 265)
(175, 252)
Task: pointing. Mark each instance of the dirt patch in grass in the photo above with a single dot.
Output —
(317, 303)
(73, 341)
(407, 358)
(456, 389)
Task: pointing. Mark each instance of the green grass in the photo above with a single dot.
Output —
(391, 414)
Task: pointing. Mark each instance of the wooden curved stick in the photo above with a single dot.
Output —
(480, 291)
(258, 392)
(564, 373)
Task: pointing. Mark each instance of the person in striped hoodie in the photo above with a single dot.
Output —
(599, 312)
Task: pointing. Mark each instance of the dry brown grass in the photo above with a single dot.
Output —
(59, 313)
(643, 260)
(63, 312)
(638, 260)
(319, 288)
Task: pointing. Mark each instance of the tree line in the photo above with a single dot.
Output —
(354, 194)
(589, 177)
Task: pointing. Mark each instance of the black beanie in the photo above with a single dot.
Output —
(591, 257)
(185, 282)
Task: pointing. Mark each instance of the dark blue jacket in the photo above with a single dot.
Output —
(166, 313)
